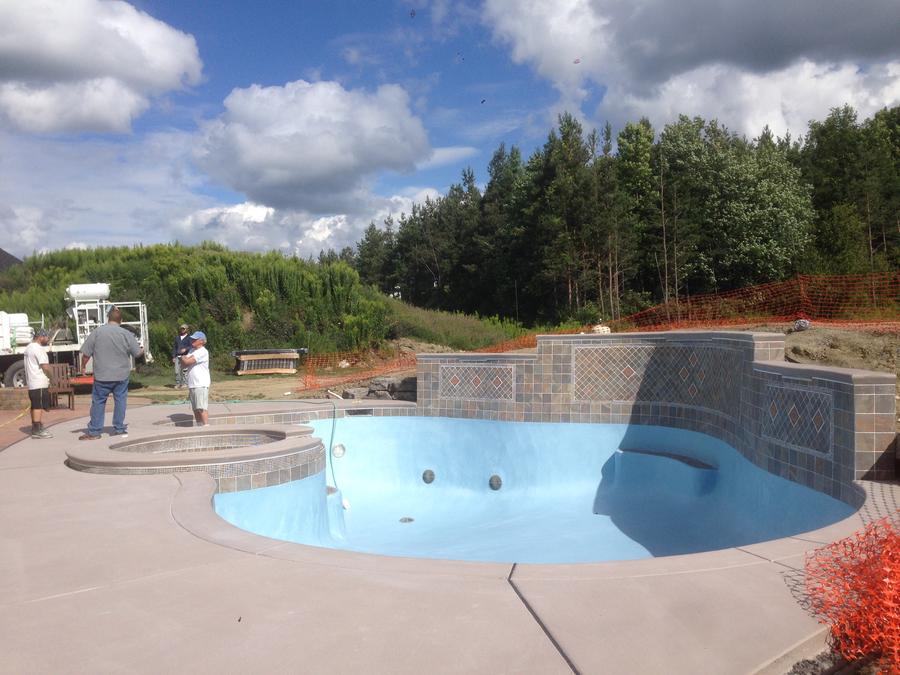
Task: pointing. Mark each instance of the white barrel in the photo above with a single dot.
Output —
(6, 339)
(88, 292)
(24, 335)
(18, 320)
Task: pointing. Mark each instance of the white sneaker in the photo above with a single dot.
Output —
(43, 433)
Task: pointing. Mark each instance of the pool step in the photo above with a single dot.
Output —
(634, 472)
(690, 461)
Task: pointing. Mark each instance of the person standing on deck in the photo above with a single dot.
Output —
(181, 347)
(198, 380)
(112, 348)
(37, 377)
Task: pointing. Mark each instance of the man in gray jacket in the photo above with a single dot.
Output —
(112, 348)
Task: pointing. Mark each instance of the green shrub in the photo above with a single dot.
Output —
(452, 329)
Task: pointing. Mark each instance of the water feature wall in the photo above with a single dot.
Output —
(818, 426)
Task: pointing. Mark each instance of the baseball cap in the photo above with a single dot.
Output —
(198, 335)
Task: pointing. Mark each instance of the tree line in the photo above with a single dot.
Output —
(594, 226)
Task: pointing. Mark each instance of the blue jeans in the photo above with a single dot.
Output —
(99, 394)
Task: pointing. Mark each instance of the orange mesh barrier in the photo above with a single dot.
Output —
(866, 301)
(854, 586)
(323, 371)
(528, 341)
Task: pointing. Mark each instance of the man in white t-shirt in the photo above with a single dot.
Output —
(196, 362)
(37, 377)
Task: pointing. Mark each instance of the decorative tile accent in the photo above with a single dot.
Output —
(807, 424)
(477, 382)
(702, 376)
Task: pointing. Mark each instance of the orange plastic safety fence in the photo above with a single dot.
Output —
(322, 371)
(869, 301)
(528, 341)
(854, 587)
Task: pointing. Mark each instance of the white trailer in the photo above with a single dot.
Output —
(88, 305)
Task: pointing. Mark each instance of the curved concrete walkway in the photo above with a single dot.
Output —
(102, 573)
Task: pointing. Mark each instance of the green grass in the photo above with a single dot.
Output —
(452, 329)
(163, 375)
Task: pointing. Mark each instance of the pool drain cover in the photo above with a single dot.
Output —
(428, 476)
(406, 519)
(495, 482)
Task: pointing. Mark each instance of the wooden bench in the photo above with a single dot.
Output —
(61, 383)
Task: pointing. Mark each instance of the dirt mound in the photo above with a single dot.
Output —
(844, 349)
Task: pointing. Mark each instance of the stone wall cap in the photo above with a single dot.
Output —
(475, 357)
(245, 410)
(742, 336)
(849, 375)
(112, 453)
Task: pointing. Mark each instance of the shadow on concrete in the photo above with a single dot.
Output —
(181, 419)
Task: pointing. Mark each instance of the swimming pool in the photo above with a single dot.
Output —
(463, 489)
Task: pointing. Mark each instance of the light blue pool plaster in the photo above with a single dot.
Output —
(570, 493)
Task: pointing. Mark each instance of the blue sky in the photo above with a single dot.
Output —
(292, 125)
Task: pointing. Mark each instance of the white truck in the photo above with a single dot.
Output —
(88, 305)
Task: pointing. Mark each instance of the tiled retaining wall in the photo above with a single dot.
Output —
(822, 427)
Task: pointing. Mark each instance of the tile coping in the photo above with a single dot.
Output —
(287, 408)
(112, 453)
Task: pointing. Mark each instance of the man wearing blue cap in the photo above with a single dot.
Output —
(197, 364)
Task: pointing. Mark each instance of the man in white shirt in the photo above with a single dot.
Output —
(37, 377)
(197, 363)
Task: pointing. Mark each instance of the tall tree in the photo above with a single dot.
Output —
(499, 230)
(375, 256)
(638, 181)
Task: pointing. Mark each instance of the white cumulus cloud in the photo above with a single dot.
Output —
(55, 192)
(254, 227)
(448, 155)
(23, 229)
(748, 65)
(87, 65)
(311, 145)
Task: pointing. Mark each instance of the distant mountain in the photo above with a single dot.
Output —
(7, 260)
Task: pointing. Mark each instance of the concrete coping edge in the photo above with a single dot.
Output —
(105, 454)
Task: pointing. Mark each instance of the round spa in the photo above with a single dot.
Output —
(237, 457)
(479, 490)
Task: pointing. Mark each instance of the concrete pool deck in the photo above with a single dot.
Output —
(135, 573)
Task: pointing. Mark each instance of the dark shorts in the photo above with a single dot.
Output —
(40, 398)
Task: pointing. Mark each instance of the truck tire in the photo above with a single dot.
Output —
(15, 375)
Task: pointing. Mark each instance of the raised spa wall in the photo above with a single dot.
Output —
(818, 426)
(238, 457)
